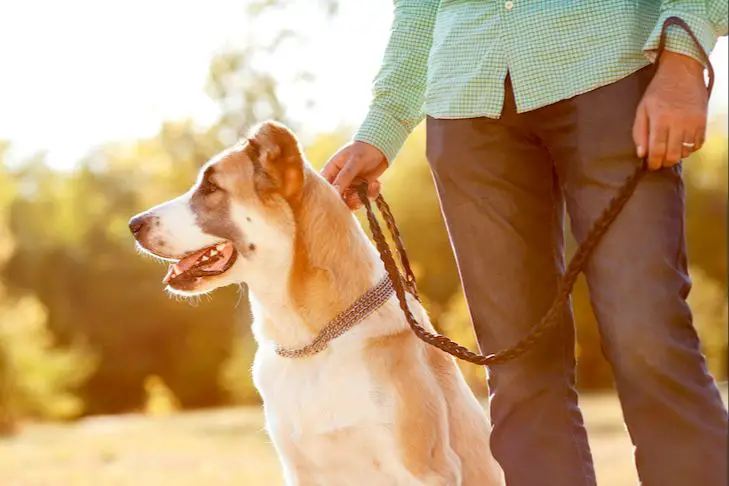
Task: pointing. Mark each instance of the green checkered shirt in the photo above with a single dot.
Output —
(449, 58)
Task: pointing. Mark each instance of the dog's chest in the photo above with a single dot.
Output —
(321, 394)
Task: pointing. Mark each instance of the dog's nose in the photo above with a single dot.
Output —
(137, 225)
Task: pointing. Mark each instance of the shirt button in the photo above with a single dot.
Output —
(509, 5)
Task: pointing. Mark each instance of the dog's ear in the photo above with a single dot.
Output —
(278, 160)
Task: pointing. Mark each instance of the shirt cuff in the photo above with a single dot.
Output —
(383, 131)
(677, 40)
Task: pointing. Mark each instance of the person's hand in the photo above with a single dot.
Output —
(356, 161)
(670, 122)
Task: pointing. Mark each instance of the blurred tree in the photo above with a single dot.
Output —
(159, 400)
(235, 376)
(706, 203)
(7, 385)
(709, 306)
(8, 416)
(242, 81)
(244, 93)
(44, 378)
(257, 7)
(76, 254)
(37, 378)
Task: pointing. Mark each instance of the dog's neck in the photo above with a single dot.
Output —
(332, 263)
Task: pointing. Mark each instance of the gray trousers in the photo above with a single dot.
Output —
(503, 187)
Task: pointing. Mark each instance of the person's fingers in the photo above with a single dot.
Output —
(657, 142)
(373, 189)
(352, 200)
(690, 138)
(351, 196)
(333, 166)
(699, 136)
(355, 164)
(676, 137)
(344, 178)
(640, 132)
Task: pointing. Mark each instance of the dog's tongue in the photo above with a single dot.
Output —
(183, 265)
(210, 259)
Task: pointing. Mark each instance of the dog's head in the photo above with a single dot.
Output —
(237, 218)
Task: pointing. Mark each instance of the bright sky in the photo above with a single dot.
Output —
(77, 73)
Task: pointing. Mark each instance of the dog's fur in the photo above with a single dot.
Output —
(377, 406)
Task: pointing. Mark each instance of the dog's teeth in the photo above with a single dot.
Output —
(213, 253)
(205, 258)
(220, 247)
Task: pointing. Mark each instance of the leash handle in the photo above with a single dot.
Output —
(574, 268)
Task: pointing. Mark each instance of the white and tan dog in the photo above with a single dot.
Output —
(376, 406)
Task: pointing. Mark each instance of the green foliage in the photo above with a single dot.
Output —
(709, 306)
(75, 254)
(235, 377)
(41, 379)
(37, 378)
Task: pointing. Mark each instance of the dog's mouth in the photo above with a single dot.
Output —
(207, 262)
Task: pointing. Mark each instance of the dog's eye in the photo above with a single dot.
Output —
(208, 187)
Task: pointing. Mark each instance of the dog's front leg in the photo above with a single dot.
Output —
(295, 471)
(296, 474)
(297, 477)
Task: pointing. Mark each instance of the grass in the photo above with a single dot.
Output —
(216, 448)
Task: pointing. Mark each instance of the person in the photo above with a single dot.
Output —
(531, 107)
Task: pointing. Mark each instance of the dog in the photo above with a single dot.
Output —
(373, 405)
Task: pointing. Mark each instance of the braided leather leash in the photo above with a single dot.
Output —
(575, 267)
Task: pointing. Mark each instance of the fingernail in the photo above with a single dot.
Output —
(337, 188)
(641, 151)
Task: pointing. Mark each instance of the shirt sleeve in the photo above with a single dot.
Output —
(399, 87)
(706, 18)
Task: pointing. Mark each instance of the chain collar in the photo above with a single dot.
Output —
(365, 305)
